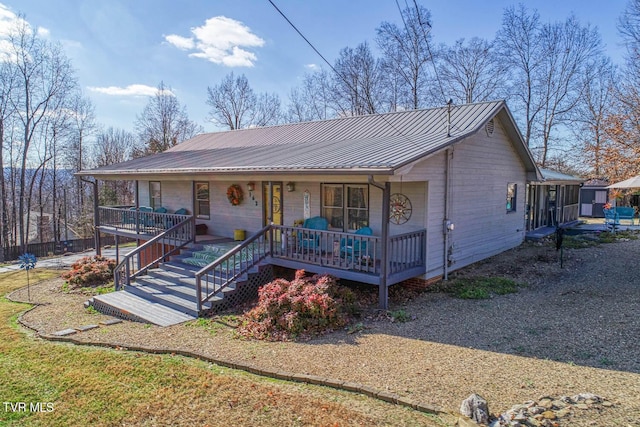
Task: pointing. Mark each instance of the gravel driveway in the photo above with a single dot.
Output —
(569, 330)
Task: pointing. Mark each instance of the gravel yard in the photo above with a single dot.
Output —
(566, 331)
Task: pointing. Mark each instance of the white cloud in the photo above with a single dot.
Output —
(220, 40)
(131, 90)
(9, 22)
(43, 32)
(180, 42)
(312, 66)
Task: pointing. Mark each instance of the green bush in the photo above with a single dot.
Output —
(300, 307)
(90, 271)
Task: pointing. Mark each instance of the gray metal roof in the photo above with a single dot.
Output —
(551, 176)
(370, 144)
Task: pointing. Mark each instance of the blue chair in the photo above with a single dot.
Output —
(355, 247)
(611, 219)
(309, 239)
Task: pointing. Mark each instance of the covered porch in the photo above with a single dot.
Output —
(368, 259)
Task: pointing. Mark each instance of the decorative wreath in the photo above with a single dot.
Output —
(234, 194)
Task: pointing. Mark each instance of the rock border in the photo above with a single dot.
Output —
(347, 386)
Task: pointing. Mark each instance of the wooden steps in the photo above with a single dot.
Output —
(167, 295)
(126, 305)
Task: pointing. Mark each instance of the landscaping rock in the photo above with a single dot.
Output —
(549, 411)
(476, 408)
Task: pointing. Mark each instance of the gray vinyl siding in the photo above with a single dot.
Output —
(432, 172)
(481, 169)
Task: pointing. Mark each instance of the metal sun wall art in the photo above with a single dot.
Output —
(400, 209)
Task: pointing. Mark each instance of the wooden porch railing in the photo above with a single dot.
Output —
(136, 221)
(156, 250)
(219, 274)
(407, 251)
(347, 251)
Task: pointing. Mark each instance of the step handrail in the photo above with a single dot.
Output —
(214, 284)
(178, 236)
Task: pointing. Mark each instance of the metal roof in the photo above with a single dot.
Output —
(369, 144)
(549, 176)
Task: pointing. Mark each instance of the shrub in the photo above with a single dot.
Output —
(90, 271)
(300, 307)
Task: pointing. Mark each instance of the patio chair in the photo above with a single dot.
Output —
(309, 239)
(354, 246)
(170, 222)
(611, 219)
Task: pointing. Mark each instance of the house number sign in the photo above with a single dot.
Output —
(400, 209)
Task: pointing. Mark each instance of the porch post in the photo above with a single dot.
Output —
(383, 291)
(96, 217)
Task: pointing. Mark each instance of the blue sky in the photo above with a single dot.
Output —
(122, 49)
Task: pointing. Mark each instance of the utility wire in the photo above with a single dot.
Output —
(337, 73)
(426, 40)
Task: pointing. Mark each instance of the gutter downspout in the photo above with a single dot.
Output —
(383, 290)
(446, 226)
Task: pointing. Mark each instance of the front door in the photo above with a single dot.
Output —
(272, 196)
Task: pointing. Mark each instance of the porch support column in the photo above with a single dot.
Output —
(96, 217)
(383, 290)
(96, 214)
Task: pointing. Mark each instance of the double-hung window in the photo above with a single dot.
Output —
(346, 206)
(202, 200)
(155, 194)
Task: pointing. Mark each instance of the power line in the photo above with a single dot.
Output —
(307, 40)
(336, 71)
(426, 41)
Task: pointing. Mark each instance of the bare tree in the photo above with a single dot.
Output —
(357, 87)
(82, 126)
(621, 157)
(406, 53)
(234, 105)
(44, 74)
(113, 146)
(548, 62)
(311, 100)
(164, 123)
(519, 45)
(590, 117)
(471, 72)
(7, 83)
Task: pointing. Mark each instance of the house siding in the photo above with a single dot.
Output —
(431, 172)
(481, 169)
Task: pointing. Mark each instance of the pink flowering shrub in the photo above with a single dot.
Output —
(90, 271)
(300, 307)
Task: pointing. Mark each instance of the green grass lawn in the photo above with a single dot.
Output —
(102, 387)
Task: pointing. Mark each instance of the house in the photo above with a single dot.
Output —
(552, 202)
(438, 189)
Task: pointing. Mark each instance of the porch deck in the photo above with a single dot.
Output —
(221, 263)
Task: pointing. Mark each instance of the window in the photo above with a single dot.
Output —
(512, 192)
(155, 194)
(202, 200)
(345, 206)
